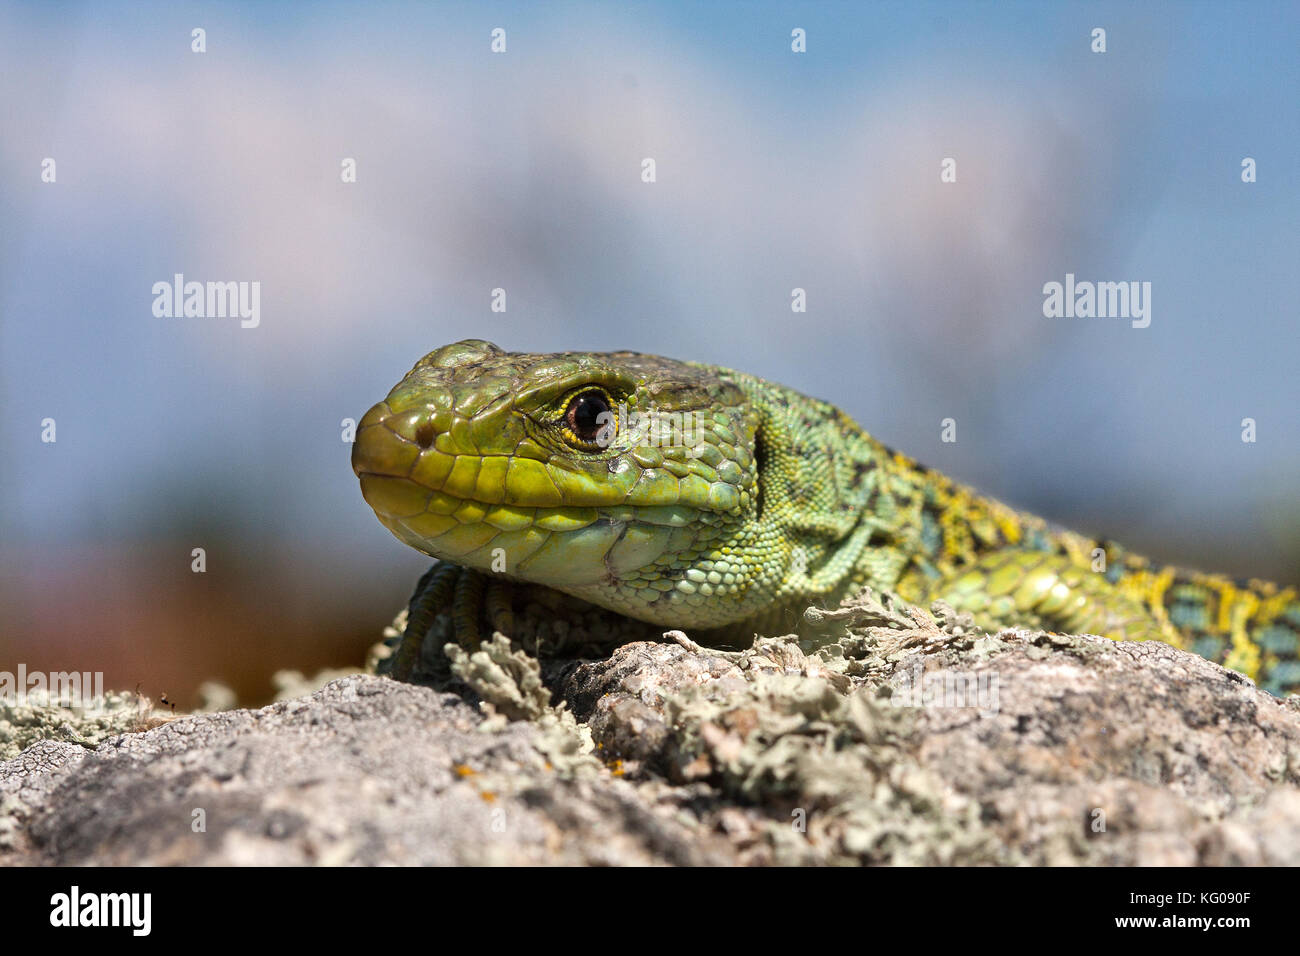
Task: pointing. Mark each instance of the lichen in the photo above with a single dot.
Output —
(509, 681)
(37, 717)
(829, 764)
(509, 684)
(806, 746)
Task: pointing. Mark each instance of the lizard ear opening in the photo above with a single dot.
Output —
(760, 470)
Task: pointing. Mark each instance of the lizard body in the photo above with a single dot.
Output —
(694, 496)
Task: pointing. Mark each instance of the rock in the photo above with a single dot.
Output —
(897, 737)
(365, 771)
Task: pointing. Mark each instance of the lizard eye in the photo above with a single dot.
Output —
(588, 415)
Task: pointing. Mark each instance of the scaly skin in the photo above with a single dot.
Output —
(758, 503)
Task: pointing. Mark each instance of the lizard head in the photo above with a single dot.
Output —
(593, 473)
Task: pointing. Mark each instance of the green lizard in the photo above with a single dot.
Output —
(693, 496)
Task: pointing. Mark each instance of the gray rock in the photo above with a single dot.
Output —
(365, 771)
(898, 737)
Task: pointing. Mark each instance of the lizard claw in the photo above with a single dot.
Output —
(450, 603)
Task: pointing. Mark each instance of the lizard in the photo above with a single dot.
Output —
(692, 496)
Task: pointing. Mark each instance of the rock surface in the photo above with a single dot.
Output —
(902, 737)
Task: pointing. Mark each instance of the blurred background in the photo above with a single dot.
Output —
(522, 170)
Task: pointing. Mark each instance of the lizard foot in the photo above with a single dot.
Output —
(453, 604)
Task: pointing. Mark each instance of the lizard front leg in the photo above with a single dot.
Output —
(469, 598)
(455, 604)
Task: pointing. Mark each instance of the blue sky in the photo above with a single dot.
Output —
(776, 170)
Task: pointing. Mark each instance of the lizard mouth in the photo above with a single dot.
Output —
(506, 514)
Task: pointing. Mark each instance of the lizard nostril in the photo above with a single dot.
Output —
(425, 433)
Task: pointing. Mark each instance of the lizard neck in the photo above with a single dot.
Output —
(853, 512)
